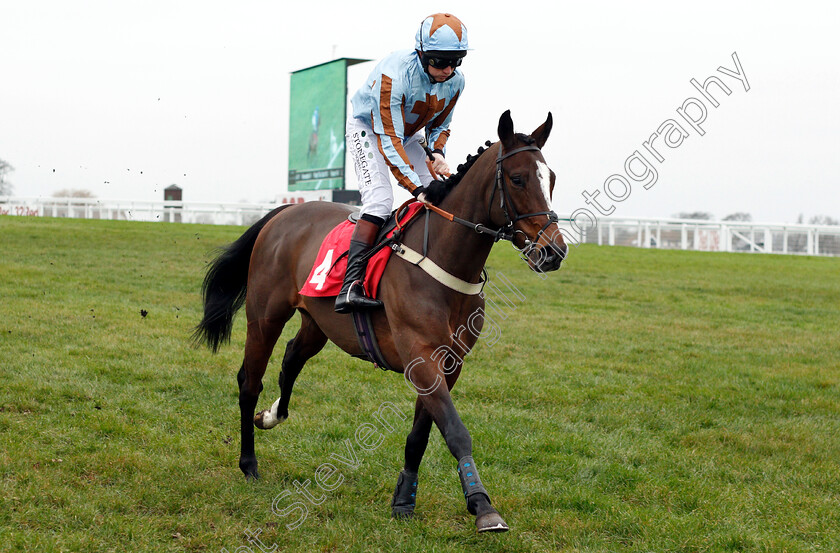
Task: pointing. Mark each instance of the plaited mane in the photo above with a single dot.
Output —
(452, 181)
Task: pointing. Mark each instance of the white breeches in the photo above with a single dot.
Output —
(373, 172)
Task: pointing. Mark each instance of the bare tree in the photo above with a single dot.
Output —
(6, 187)
(823, 220)
(73, 193)
(739, 216)
(704, 215)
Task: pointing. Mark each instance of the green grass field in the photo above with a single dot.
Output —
(635, 401)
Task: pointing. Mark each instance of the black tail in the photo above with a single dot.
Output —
(224, 286)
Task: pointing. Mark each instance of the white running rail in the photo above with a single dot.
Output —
(681, 234)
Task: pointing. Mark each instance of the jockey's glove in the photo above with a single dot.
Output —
(433, 193)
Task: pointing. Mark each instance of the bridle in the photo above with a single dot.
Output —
(507, 232)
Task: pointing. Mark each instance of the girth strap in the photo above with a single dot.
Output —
(367, 340)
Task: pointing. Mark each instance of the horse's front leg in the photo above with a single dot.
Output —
(437, 402)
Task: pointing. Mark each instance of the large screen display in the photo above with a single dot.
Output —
(316, 127)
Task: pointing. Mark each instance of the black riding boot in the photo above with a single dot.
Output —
(352, 296)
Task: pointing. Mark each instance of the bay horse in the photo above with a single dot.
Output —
(502, 193)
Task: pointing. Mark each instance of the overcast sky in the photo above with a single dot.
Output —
(125, 98)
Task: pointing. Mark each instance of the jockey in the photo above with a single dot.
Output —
(409, 96)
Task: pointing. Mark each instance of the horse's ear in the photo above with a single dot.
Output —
(542, 132)
(506, 129)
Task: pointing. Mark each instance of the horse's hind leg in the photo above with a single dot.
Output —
(309, 340)
(259, 343)
(405, 494)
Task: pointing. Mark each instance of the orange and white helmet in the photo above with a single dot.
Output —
(442, 32)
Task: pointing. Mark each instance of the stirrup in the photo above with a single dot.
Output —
(349, 301)
(358, 299)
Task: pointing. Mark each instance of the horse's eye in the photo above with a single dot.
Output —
(517, 180)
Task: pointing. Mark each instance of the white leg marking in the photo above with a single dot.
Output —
(269, 417)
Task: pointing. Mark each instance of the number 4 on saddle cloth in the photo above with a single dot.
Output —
(327, 273)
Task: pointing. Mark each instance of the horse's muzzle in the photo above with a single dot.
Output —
(545, 259)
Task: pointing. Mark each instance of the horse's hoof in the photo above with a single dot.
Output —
(491, 522)
(405, 496)
(265, 420)
(402, 514)
(249, 469)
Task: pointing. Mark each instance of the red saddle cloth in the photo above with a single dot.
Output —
(327, 274)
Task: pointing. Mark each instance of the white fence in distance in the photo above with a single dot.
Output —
(712, 236)
(154, 211)
(683, 234)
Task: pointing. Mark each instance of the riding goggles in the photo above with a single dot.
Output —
(442, 63)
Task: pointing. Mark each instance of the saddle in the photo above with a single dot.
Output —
(404, 215)
(327, 274)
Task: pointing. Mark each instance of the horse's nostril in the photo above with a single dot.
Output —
(551, 262)
(564, 251)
